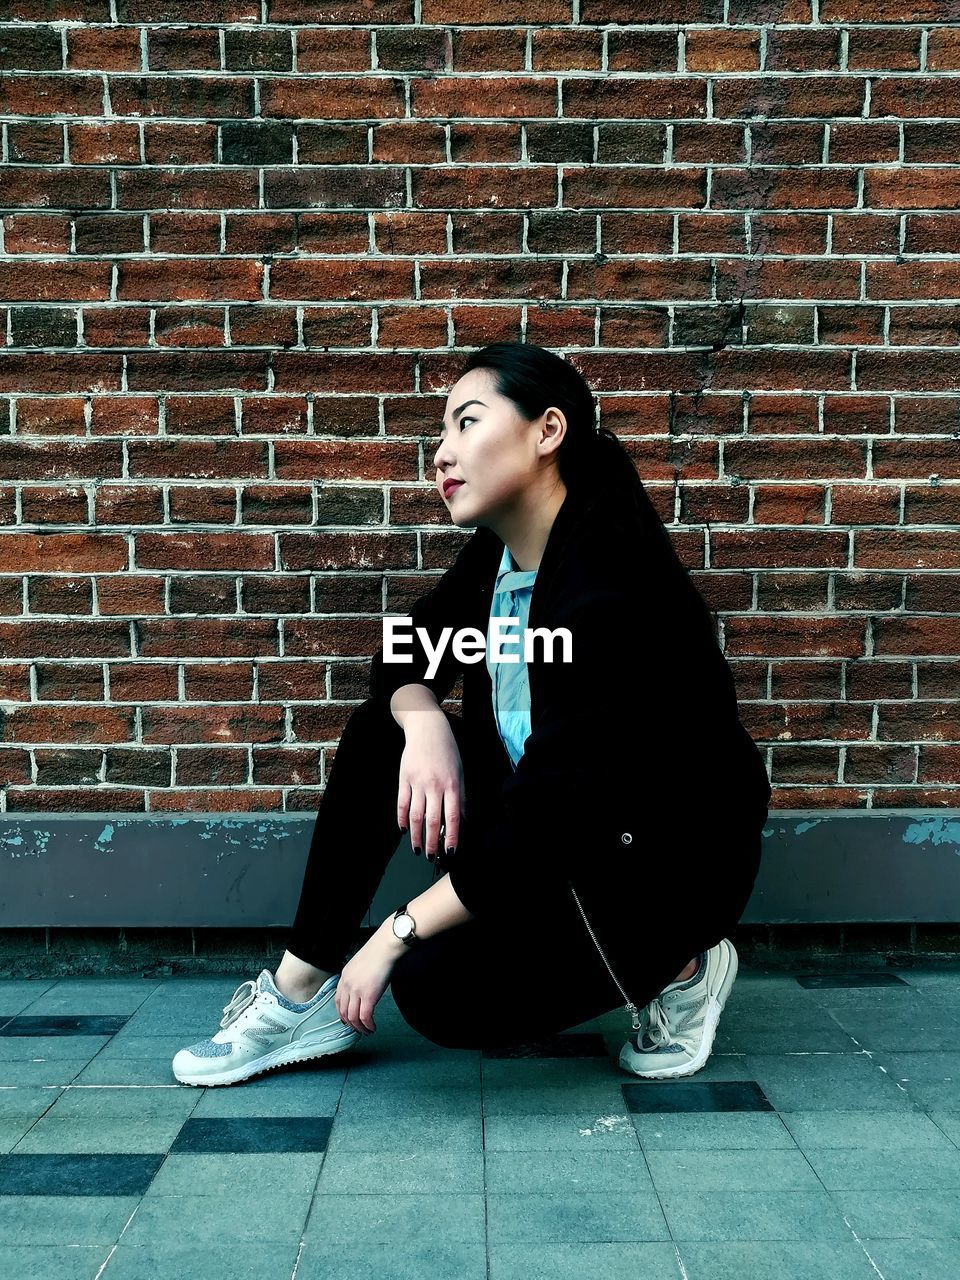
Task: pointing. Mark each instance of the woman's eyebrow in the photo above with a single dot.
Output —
(465, 404)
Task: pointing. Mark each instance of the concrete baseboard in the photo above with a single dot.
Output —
(244, 871)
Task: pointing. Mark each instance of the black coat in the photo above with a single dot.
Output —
(638, 779)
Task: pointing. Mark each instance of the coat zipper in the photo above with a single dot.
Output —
(631, 1007)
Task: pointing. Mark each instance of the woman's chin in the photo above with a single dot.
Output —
(461, 514)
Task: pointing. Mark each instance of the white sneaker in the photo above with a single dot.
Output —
(677, 1028)
(262, 1029)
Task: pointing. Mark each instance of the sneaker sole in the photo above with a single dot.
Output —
(282, 1057)
(712, 1018)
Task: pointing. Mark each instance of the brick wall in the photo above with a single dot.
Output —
(244, 253)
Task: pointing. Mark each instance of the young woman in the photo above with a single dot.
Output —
(597, 812)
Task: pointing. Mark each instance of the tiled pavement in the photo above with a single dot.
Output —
(820, 1142)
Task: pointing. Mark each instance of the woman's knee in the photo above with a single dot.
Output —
(418, 993)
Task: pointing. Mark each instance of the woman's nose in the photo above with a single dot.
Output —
(442, 456)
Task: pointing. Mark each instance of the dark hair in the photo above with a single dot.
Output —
(589, 459)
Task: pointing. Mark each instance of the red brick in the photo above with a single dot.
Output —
(197, 370)
(35, 142)
(63, 553)
(67, 724)
(202, 504)
(916, 636)
(197, 459)
(865, 504)
(54, 460)
(206, 637)
(104, 144)
(54, 505)
(202, 767)
(177, 279)
(902, 458)
(42, 416)
(190, 327)
(69, 681)
(292, 680)
(187, 188)
(205, 551)
(75, 800)
(263, 327)
(15, 766)
(219, 681)
(124, 415)
(287, 766)
(193, 49)
(37, 233)
(339, 49)
(143, 682)
(230, 800)
(115, 327)
(211, 95)
(125, 596)
(129, 504)
(277, 504)
(51, 95)
(335, 460)
(939, 764)
(194, 231)
(49, 282)
(321, 98)
(103, 49)
(179, 144)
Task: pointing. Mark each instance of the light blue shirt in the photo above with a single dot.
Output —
(509, 680)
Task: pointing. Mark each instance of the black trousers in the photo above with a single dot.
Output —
(528, 971)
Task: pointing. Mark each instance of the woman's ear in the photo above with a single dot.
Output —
(553, 431)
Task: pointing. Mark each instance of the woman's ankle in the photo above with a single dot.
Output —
(297, 980)
(688, 970)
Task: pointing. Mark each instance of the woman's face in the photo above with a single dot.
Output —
(491, 448)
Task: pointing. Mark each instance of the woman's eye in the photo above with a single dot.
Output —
(465, 418)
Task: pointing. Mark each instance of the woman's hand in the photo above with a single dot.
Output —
(364, 979)
(431, 789)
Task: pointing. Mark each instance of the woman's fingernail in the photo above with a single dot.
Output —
(416, 849)
(403, 829)
(451, 848)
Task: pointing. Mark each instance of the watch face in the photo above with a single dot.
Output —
(403, 926)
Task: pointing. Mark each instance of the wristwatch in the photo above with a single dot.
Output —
(404, 926)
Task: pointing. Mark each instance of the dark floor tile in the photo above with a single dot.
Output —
(868, 979)
(254, 1133)
(77, 1175)
(696, 1095)
(590, 1044)
(65, 1024)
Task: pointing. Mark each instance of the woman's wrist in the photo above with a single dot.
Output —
(420, 719)
(388, 941)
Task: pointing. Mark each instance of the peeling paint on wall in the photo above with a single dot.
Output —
(801, 827)
(936, 830)
(104, 838)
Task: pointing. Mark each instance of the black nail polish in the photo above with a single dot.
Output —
(416, 849)
(404, 830)
(451, 848)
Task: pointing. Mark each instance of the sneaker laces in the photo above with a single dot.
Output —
(238, 1002)
(658, 1027)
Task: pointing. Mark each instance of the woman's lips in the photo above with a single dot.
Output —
(451, 488)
